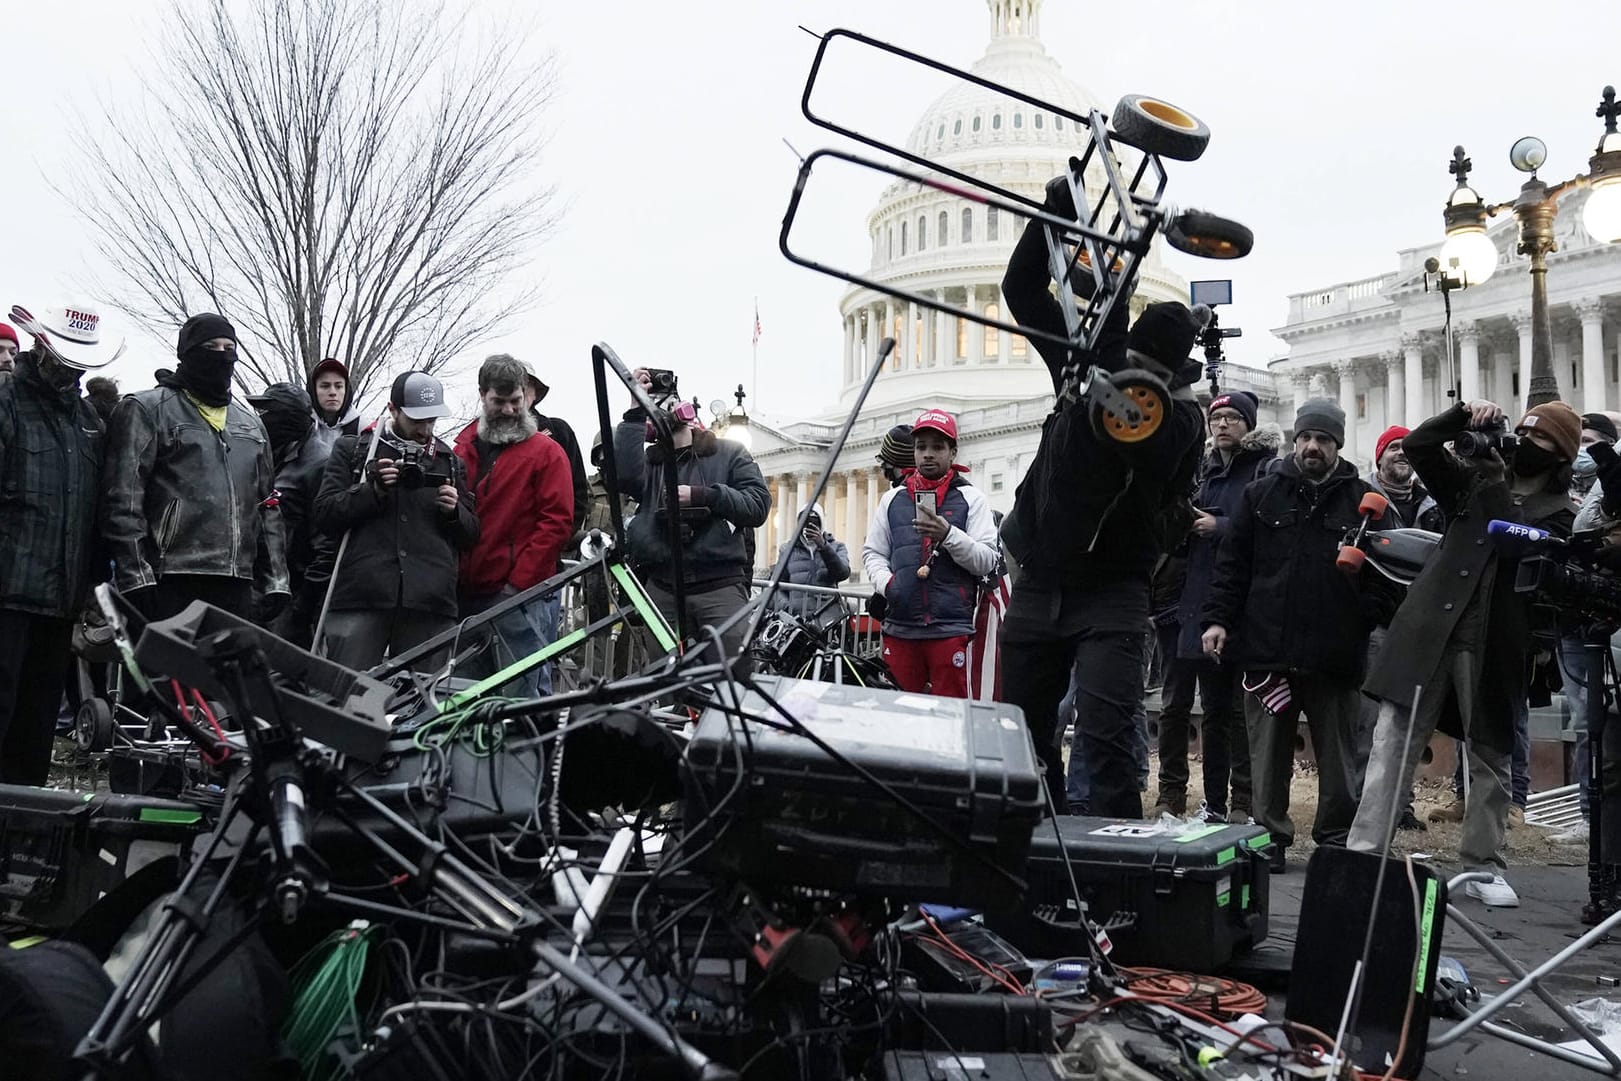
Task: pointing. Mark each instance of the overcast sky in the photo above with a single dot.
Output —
(1332, 127)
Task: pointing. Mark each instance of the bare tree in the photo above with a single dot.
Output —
(348, 178)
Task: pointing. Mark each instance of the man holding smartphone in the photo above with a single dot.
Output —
(931, 541)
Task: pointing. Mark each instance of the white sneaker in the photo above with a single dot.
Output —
(1576, 835)
(1494, 894)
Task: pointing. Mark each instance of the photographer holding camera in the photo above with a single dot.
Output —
(1463, 634)
(722, 497)
(402, 497)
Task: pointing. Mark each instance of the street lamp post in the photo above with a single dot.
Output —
(1471, 257)
(733, 423)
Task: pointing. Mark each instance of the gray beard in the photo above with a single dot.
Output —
(507, 430)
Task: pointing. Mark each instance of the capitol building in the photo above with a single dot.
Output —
(927, 241)
(1376, 343)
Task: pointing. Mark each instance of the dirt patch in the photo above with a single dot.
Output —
(1527, 845)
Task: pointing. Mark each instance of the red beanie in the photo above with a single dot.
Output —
(1387, 437)
(7, 334)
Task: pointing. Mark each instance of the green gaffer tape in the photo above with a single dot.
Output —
(1428, 930)
(1226, 855)
(170, 816)
(1260, 841)
(651, 615)
(1223, 898)
(514, 670)
(1201, 832)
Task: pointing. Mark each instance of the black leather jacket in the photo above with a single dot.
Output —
(181, 498)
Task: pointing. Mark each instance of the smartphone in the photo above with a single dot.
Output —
(927, 499)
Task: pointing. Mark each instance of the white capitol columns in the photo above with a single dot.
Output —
(1503, 375)
(1347, 373)
(1594, 376)
(1395, 384)
(1413, 362)
(1467, 334)
(1522, 326)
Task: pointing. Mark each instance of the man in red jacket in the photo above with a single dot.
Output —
(525, 500)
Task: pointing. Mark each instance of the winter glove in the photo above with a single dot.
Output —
(877, 606)
(267, 606)
(143, 600)
(1059, 200)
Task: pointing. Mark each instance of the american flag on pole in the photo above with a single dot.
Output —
(756, 322)
(985, 649)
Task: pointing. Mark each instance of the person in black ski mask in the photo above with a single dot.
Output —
(187, 512)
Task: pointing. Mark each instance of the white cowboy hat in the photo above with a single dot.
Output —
(72, 332)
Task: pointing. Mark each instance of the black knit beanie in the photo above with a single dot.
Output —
(896, 451)
(1166, 331)
(1322, 415)
(203, 328)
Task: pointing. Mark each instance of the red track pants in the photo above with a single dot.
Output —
(929, 665)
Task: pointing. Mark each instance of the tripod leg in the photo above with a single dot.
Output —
(1599, 884)
(139, 999)
(465, 890)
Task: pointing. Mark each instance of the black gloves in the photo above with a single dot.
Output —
(142, 599)
(1059, 199)
(267, 606)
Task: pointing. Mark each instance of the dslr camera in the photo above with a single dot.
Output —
(1480, 442)
(419, 466)
(663, 386)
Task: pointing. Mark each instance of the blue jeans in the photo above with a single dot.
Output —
(1519, 761)
(518, 633)
(546, 616)
(1573, 667)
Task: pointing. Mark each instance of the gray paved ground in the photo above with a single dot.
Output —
(1546, 922)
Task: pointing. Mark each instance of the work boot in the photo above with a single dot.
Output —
(1516, 816)
(1409, 822)
(1169, 803)
(1452, 812)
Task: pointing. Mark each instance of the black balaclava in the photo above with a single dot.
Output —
(1531, 460)
(206, 373)
(285, 412)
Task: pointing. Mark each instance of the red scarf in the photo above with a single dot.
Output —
(916, 482)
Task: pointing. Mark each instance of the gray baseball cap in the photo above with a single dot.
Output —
(419, 396)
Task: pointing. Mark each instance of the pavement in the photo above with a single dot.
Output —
(1547, 921)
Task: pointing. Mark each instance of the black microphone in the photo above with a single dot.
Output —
(1514, 539)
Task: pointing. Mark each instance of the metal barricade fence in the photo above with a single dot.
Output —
(621, 651)
(841, 612)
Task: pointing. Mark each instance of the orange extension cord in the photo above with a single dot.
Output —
(1211, 994)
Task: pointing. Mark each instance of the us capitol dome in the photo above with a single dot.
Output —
(927, 241)
(931, 242)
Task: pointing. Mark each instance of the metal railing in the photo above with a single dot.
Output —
(840, 612)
